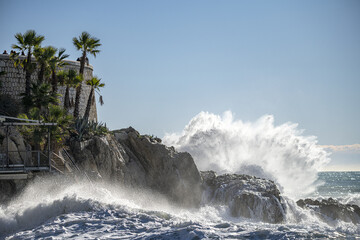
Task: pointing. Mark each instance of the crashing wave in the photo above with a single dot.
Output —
(280, 153)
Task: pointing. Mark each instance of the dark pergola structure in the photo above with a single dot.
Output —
(11, 170)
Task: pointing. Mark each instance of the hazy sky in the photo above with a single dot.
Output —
(165, 61)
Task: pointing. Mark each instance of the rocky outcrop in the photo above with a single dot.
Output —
(10, 188)
(12, 141)
(136, 160)
(246, 196)
(329, 210)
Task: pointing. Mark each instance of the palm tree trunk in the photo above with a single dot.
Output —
(82, 63)
(28, 74)
(78, 89)
(89, 103)
(41, 74)
(77, 101)
(54, 81)
(67, 98)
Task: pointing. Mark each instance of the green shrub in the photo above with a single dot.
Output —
(84, 129)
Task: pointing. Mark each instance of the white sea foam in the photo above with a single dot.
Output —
(49, 197)
(351, 198)
(280, 153)
(57, 209)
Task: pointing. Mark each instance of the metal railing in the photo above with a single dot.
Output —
(30, 160)
(73, 163)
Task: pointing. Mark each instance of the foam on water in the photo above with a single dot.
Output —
(280, 153)
(68, 210)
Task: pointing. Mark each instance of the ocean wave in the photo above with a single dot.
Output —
(351, 198)
(125, 224)
(85, 210)
(280, 153)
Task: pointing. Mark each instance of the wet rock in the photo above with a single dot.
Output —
(10, 188)
(329, 210)
(141, 161)
(246, 196)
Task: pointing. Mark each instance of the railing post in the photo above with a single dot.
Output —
(49, 153)
(24, 160)
(27, 156)
(7, 146)
(38, 154)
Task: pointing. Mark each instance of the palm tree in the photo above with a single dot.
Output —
(95, 85)
(37, 135)
(55, 63)
(41, 97)
(87, 44)
(71, 80)
(61, 131)
(27, 42)
(43, 57)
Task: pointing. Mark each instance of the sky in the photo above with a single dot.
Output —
(165, 61)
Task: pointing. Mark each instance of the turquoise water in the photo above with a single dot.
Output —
(340, 185)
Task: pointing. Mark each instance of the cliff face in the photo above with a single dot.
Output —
(140, 161)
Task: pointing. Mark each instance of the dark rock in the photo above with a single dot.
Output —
(246, 196)
(10, 188)
(13, 142)
(136, 160)
(329, 210)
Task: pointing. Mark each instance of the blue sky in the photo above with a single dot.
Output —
(165, 61)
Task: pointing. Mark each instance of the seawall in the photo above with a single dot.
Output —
(13, 83)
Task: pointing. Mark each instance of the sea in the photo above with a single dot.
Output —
(60, 209)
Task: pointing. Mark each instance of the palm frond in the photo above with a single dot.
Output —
(77, 43)
(17, 47)
(101, 101)
(20, 38)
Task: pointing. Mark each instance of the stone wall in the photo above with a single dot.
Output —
(13, 83)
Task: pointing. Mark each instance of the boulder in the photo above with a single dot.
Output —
(7, 190)
(329, 210)
(10, 188)
(14, 143)
(246, 196)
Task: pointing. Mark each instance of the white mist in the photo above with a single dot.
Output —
(280, 153)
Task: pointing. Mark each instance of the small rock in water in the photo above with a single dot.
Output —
(222, 225)
(330, 209)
